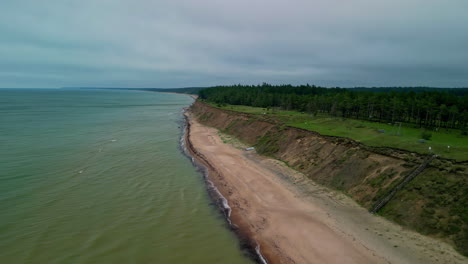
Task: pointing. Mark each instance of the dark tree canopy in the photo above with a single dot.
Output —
(422, 106)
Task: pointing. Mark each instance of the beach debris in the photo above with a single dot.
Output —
(250, 148)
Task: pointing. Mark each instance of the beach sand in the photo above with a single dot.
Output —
(294, 220)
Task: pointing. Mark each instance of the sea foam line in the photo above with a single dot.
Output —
(262, 259)
(215, 194)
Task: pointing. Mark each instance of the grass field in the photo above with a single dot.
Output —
(403, 137)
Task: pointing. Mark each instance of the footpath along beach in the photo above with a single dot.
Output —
(292, 220)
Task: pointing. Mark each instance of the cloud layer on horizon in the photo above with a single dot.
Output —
(144, 43)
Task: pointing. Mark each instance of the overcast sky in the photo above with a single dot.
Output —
(153, 43)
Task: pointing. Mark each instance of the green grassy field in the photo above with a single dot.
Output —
(403, 137)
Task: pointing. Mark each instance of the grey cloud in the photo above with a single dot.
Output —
(146, 43)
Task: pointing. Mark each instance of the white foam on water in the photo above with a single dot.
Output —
(224, 202)
(262, 259)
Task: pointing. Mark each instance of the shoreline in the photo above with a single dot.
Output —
(194, 96)
(268, 251)
(247, 245)
(249, 222)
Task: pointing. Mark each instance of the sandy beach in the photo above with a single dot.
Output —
(294, 220)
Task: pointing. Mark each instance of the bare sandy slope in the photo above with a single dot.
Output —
(296, 221)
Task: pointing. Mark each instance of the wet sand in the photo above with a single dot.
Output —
(294, 220)
(194, 96)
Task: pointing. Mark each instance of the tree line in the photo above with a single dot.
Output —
(422, 106)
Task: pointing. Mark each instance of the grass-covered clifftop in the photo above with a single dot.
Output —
(402, 136)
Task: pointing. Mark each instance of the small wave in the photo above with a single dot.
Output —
(222, 201)
(260, 256)
(182, 194)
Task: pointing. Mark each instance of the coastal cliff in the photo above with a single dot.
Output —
(433, 203)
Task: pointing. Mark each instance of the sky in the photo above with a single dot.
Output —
(182, 43)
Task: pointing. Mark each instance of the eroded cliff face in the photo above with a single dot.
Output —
(434, 203)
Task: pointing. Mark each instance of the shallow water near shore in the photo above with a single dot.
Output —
(92, 176)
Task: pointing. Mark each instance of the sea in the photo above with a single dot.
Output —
(98, 176)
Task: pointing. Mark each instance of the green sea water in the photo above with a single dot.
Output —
(93, 176)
